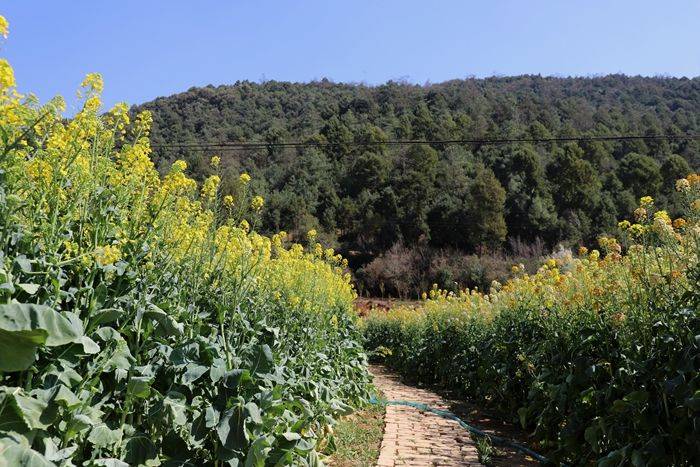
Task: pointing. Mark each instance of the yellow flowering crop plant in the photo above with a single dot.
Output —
(580, 350)
(150, 307)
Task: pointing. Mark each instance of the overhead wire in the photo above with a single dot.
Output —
(223, 145)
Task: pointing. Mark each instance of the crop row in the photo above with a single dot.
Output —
(596, 355)
(142, 321)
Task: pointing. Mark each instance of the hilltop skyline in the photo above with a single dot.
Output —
(53, 47)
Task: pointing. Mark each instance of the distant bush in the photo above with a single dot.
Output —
(405, 272)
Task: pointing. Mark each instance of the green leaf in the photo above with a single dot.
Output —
(18, 405)
(176, 404)
(101, 436)
(193, 371)
(234, 378)
(231, 429)
(140, 449)
(636, 397)
(592, 436)
(24, 327)
(90, 347)
(257, 453)
(139, 386)
(522, 415)
(24, 264)
(167, 325)
(253, 412)
(18, 349)
(53, 454)
(262, 360)
(693, 402)
(109, 462)
(31, 289)
(12, 454)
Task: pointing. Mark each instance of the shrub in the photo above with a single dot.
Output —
(598, 355)
(141, 321)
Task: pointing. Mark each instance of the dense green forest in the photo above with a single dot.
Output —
(455, 214)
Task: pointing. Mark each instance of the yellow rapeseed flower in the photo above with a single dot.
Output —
(682, 185)
(215, 161)
(210, 187)
(663, 217)
(679, 223)
(244, 178)
(93, 82)
(646, 201)
(257, 203)
(228, 201)
(108, 254)
(637, 229)
(640, 214)
(4, 27)
(7, 75)
(179, 166)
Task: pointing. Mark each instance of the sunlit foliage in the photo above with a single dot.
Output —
(143, 321)
(597, 353)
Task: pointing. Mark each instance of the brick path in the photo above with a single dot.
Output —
(416, 438)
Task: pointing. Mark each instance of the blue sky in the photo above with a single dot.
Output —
(146, 49)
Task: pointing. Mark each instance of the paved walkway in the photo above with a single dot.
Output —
(416, 438)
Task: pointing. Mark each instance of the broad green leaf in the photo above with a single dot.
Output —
(30, 410)
(193, 371)
(140, 449)
(234, 378)
(257, 453)
(253, 412)
(262, 359)
(24, 327)
(31, 289)
(18, 348)
(109, 462)
(167, 324)
(176, 404)
(90, 347)
(24, 264)
(16, 455)
(101, 436)
(231, 429)
(139, 386)
(54, 454)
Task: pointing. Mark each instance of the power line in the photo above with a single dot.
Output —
(480, 141)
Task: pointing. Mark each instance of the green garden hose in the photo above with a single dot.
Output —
(450, 416)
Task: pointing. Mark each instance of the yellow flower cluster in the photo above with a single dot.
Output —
(257, 203)
(211, 185)
(93, 176)
(4, 27)
(587, 283)
(108, 254)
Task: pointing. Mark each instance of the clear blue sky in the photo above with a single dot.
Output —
(147, 49)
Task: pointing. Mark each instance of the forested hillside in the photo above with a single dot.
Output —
(414, 214)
